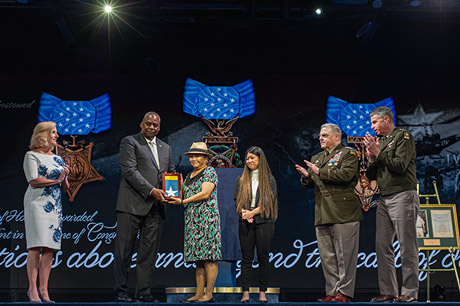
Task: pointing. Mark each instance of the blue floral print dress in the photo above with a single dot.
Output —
(43, 205)
(202, 239)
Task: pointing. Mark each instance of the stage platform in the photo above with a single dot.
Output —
(230, 304)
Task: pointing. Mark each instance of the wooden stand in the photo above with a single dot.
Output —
(450, 249)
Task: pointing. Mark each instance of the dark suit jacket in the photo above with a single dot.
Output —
(257, 218)
(140, 174)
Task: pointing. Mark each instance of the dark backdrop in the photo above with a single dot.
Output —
(294, 67)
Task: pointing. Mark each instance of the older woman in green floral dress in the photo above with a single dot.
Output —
(202, 239)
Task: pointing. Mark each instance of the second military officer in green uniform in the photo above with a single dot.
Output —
(334, 174)
(392, 163)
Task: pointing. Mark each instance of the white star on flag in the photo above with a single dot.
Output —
(170, 192)
(212, 94)
(61, 114)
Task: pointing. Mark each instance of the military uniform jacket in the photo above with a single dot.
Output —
(394, 168)
(335, 199)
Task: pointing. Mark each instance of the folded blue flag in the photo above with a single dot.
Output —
(219, 102)
(352, 118)
(76, 117)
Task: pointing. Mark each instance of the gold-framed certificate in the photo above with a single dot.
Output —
(172, 184)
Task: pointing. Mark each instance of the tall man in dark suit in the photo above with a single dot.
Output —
(334, 174)
(140, 206)
(392, 164)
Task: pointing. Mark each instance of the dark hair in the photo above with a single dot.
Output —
(267, 198)
(383, 111)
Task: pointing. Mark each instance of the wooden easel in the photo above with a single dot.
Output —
(450, 249)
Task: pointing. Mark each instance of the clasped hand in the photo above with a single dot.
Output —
(247, 215)
(63, 174)
(372, 147)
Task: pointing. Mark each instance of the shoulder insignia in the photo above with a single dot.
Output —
(406, 135)
(353, 152)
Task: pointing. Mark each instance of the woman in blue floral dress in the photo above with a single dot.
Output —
(47, 177)
(202, 238)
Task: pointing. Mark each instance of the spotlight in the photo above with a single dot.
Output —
(108, 9)
(318, 11)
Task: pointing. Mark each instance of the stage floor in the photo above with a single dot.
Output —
(230, 304)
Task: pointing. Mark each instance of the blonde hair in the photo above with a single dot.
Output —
(40, 135)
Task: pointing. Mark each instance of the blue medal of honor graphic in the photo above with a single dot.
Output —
(220, 107)
(77, 118)
(219, 102)
(353, 118)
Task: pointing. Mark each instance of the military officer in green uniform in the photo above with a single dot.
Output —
(334, 174)
(392, 164)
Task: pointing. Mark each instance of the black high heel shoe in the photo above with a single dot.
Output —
(33, 301)
(43, 300)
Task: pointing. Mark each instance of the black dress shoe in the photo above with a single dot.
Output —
(123, 298)
(211, 300)
(148, 298)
